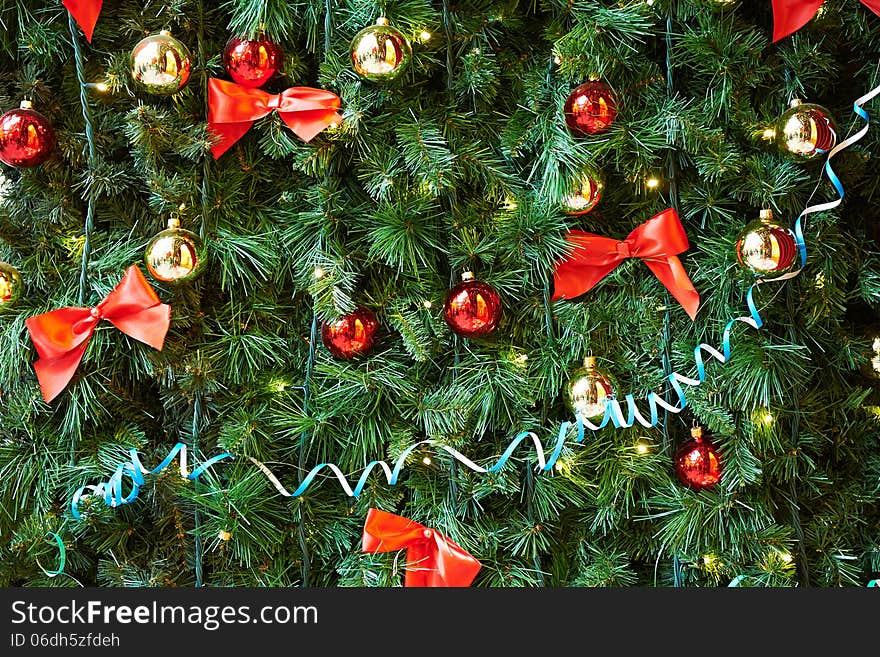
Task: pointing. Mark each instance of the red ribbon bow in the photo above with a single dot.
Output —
(658, 242)
(432, 559)
(791, 15)
(232, 110)
(61, 336)
(85, 13)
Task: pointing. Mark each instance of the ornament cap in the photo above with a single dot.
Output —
(766, 214)
(173, 222)
(590, 362)
(26, 104)
(381, 21)
(165, 32)
(795, 102)
(696, 432)
(467, 276)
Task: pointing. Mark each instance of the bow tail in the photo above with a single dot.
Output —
(85, 13)
(55, 373)
(791, 15)
(672, 274)
(420, 565)
(307, 124)
(227, 134)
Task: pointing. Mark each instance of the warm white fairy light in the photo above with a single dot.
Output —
(652, 183)
(425, 36)
(427, 460)
(318, 273)
(427, 303)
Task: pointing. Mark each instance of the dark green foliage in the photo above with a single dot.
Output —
(459, 165)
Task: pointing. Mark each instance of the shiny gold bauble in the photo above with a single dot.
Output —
(587, 389)
(806, 131)
(584, 195)
(380, 52)
(160, 64)
(766, 247)
(175, 255)
(11, 285)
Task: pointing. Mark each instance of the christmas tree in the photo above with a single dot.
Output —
(326, 205)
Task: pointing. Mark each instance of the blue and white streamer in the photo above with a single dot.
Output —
(112, 491)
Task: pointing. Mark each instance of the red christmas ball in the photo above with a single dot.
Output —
(472, 308)
(251, 63)
(697, 463)
(26, 137)
(352, 335)
(590, 109)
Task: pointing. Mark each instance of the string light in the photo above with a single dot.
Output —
(425, 36)
(318, 273)
(770, 134)
(708, 559)
(557, 59)
(650, 3)
(426, 303)
(427, 460)
(786, 557)
(224, 535)
(875, 359)
(652, 183)
(522, 358)
(642, 447)
(560, 466)
(768, 418)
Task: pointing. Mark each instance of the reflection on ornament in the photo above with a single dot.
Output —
(875, 359)
(472, 308)
(587, 390)
(806, 130)
(766, 247)
(352, 335)
(11, 285)
(585, 194)
(26, 137)
(252, 63)
(590, 109)
(175, 255)
(160, 64)
(697, 464)
(380, 52)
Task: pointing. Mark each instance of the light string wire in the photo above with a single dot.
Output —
(111, 491)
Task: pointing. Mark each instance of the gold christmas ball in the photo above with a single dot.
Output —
(806, 131)
(587, 389)
(161, 64)
(766, 247)
(380, 52)
(584, 195)
(175, 255)
(11, 285)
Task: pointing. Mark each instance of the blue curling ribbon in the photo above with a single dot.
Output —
(62, 557)
(874, 583)
(111, 491)
(112, 494)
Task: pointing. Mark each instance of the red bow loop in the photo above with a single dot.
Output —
(657, 242)
(85, 13)
(791, 15)
(232, 110)
(432, 559)
(61, 336)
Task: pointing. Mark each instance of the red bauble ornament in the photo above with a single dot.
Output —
(472, 308)
(352, 335)
(252, 62)
(697, 463)
(26, 137)
(590, 109)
